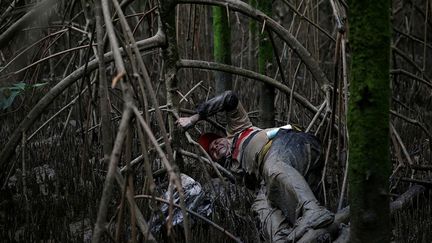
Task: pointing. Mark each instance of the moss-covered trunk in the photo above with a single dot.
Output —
(252, 42)
(222, 47)
(368, 121)
(265, 58)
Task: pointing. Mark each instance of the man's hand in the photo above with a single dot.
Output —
(187, 122)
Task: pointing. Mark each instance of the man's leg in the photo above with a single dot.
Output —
(274, 225)
(291, 157)
(289, 191)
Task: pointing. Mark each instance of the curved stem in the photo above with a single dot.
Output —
(284, 34)
(43, 103)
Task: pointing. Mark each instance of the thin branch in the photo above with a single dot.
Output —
(412, 121)
(278, 61)
(146, 75)
(410, 61)
(43, 103)
(339, 19)
(219, 167)
(323, 105)
(72, 102)
(105, 110)
(302, 16)
(16, 56)
(414, 38)
(302, 52)
(248, 74)
(172, 174)
(396, 134)
(108, 185)
(410, 75)
(142, 224)
(8, 10)
(42, 7)
(419, 167)
(417, 181)
(51, 56)
(112, 37)
(191, 90)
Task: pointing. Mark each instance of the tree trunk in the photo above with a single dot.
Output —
(265, 58)
(368, 121)
(171, 57)
(170, 54)
(222, 47)
(105, 111)
(252, 60)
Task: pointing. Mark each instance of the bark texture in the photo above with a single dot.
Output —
(252, 42)
(368, 121)
(222, 47)
(265, 59)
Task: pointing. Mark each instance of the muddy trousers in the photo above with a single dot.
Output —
(286, 206)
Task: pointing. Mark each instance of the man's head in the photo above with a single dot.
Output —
(216, 146)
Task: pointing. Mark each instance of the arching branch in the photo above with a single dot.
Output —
(249, 74)
(8, 34)
(284, 34)
(8, 149)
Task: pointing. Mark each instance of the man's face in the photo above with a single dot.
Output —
(219, 149)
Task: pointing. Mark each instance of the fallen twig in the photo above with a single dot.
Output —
(219, 167)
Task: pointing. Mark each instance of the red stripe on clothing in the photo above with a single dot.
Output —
(242, 136)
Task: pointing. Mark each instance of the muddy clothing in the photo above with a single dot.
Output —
(287, 162)
(249, 148)
(247, 140)
(237, 119)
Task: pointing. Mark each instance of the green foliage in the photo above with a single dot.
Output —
(9, 94)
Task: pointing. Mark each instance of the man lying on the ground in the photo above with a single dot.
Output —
(285, 159)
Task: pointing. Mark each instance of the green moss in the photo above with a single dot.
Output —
(265, 54)
(368, 120)
(221, 35)
(222, 46)
(265, 58)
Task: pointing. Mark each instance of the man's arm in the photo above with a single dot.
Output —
(188, 122)
(226, 101)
